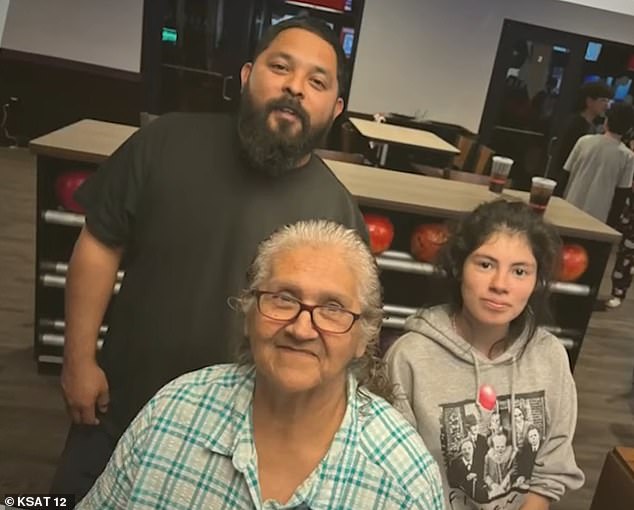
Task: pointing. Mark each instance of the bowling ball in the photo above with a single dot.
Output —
(574, 262)
(427, 239)
(381, 232)
(66, 184)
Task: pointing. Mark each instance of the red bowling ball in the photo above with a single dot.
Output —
(66, 184)
(574, 262)
(381, 232)
(427, 239)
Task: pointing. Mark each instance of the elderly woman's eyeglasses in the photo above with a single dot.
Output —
(284, 308)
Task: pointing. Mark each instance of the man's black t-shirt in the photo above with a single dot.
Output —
(190, 213)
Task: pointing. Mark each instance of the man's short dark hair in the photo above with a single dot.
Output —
(620, 118)
(317, 27)
(593, 90)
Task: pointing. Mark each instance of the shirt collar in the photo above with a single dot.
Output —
(222, 433)
(232, 436)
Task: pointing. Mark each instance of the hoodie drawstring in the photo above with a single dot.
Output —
(513, 368)
(476, 365)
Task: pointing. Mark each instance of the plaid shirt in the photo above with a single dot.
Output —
(192, 447)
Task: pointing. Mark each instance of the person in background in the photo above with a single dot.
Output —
(185, 202)
(498, 262)
(593, 102)
(600, 168)
(543, 104)
(294, 424)
(624, 264)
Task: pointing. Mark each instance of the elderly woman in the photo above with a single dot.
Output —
(294, 424)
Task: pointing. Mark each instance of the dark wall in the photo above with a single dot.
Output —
(52, 93)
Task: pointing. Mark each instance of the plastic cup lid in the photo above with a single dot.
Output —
(503, 160)
(544, 182)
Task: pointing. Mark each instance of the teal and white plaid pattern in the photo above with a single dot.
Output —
(191, 447)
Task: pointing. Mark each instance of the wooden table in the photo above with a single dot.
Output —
(425, 195)
(389, 133)
(615, 490)
(87, 140)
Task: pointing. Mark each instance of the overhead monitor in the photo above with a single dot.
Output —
(347, 40)
(593, 51)
(622, 89)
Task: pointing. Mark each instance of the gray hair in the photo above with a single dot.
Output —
(369, 369)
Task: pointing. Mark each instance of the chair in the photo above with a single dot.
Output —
(465, 144)
(353, 142)
(483, 158)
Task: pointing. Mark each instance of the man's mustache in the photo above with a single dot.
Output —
(286, 102)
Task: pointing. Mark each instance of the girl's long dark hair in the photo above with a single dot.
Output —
(473, 230)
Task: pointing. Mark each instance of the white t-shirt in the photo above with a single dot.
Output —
(598, 164)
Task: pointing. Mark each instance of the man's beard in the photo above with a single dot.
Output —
(276, 151)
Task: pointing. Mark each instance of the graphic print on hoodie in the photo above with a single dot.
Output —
(491, 459)
(491, 454)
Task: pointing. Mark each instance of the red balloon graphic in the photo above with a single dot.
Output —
(487, 397)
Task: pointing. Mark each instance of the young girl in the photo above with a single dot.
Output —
(498, 263)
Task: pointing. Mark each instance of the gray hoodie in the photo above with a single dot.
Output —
(489, 458)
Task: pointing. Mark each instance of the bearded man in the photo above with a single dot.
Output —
(182, 206)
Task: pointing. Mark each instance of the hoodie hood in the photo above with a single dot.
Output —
(437, 324)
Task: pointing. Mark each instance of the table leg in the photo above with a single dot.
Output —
(383, 154)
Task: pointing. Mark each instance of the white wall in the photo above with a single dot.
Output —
(434, 55)
(437, 55)
(102, 32)
(623, 6)
(4, 6)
